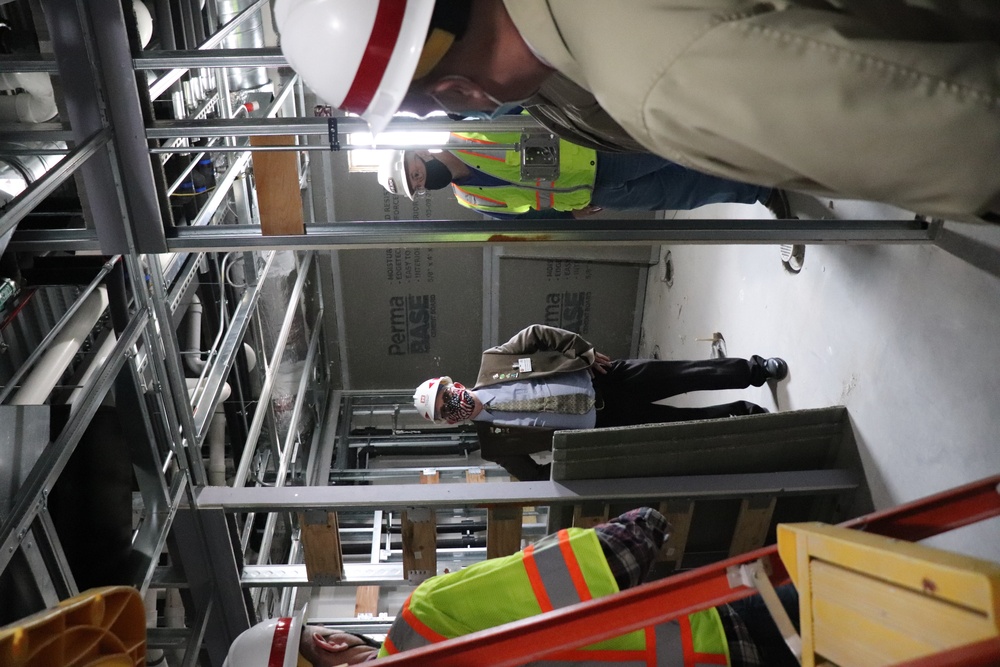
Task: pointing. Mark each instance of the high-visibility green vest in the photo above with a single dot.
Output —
(558, 571)
(569, 192)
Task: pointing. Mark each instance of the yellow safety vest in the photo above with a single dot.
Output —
(570, 191)
(561, 570)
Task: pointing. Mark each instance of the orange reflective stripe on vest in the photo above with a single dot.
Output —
(555, 575)
(410, 632)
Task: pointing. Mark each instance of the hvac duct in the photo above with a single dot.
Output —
(248, 35)
(17, 172)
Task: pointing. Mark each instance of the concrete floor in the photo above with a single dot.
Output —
(906, 336)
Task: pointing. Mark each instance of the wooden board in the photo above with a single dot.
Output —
(752, 524)
(366, 600)
(276, 175)
(503, 531)
(321, 546)
(678, 513)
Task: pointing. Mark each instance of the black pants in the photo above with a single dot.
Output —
(630, 386)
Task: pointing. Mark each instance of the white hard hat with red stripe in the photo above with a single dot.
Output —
(270, 643)
(358, 55)
(392, 173)
(426, 396)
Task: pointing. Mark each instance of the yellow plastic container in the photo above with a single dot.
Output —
(102, 626)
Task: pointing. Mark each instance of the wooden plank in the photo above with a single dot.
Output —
(503, 524)
(752, 524)
(366, 600)
(678, 513)
(419, 544)
(276, 175)
(503, 531)
(588, 515)
(420, 537)
(321, 546)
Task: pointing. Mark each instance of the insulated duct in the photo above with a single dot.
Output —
(32, 99)
(248, 35)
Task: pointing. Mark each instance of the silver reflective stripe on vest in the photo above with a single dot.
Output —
(669, 647)
(404, 636)
(555, 576)
(476, 202)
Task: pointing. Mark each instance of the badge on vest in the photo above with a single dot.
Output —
(524, 365)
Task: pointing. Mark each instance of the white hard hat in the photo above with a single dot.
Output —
(392, 174)
(358, 55)
(426, 396)
(276, 638)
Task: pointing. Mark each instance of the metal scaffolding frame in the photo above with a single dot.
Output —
(116, 157)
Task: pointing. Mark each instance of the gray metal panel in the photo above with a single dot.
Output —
(594, 299)
(795, 440)
(24, 435)
(411, 314)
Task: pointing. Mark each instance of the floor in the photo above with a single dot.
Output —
(906, 336)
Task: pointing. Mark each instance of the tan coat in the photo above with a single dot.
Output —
(551, 350)
(881, 100)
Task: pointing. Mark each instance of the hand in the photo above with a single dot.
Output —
(601, 363)
(586, 211)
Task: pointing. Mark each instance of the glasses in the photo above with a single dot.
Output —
(413, 174)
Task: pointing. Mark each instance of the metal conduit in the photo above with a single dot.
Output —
(271, 367)
(161, 85)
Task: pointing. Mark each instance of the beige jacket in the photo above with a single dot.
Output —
(878, 99)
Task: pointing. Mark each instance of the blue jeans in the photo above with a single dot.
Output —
(640, 181)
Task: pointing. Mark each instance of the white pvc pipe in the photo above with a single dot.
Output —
(50, 368)
(217, 448)
(37, 102)
(192, 356)
(96, 364)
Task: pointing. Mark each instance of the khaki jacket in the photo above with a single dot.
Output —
(879, 100)
(551, 351)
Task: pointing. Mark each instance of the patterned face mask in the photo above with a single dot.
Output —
(458, 403)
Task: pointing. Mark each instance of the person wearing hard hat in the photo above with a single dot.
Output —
(588, 181)
(559, 570)
(547, 379)
(288, 642)
(894, 102)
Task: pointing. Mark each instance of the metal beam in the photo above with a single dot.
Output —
(30, 498)
(393, 234)
(189, 59)
(91, 44)
(254, 126)
(283, 499)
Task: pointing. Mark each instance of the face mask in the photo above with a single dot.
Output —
(438, 175)
(458, 404)
(502, 108)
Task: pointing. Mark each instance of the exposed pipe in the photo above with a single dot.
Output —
(192, 356)
(107, 344)
(52, 365)
(35, 104)
(216, 435)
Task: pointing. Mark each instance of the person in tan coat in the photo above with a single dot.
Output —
(547, 379)
(895, 101)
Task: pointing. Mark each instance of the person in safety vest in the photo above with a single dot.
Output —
(571, 566)
(886, 101)
(490, 181)
(546, 379)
